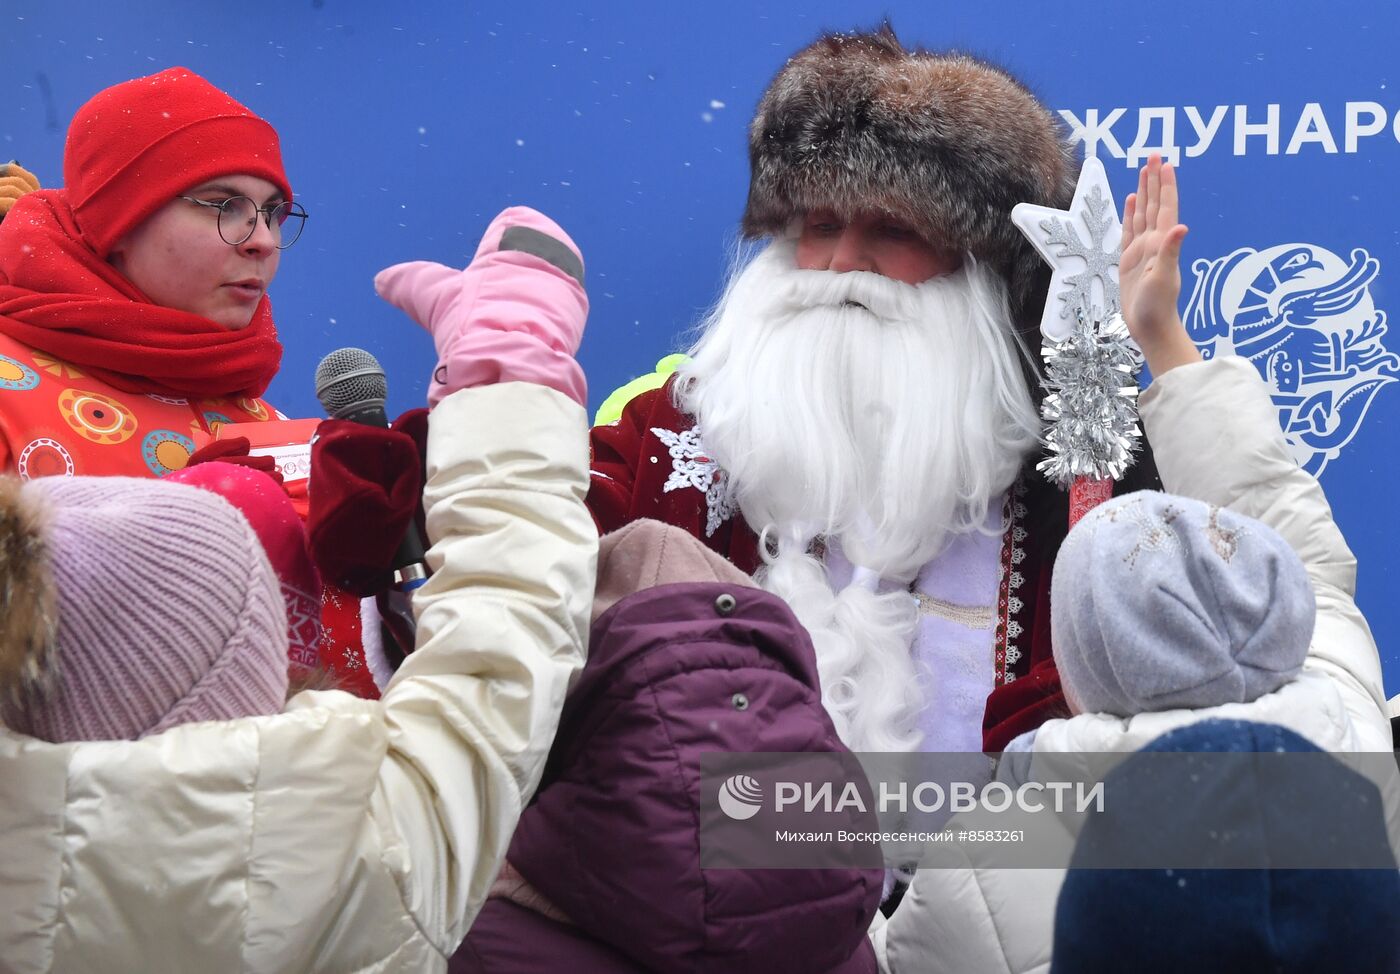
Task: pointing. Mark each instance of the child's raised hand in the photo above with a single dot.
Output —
(515, 314)
(1149, 271)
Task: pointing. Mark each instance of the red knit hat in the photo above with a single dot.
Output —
(137, 145)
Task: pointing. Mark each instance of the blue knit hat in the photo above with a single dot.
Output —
(1235, 920)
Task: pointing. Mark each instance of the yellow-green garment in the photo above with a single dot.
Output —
(611, 409)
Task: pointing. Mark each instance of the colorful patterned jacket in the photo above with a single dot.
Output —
(54, 420)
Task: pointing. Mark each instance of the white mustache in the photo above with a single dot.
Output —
(860, 291)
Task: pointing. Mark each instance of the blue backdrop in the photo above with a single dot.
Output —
(404, 132)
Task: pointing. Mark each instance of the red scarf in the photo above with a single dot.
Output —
(58, 297)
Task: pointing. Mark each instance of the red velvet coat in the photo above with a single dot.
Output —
(650, 463)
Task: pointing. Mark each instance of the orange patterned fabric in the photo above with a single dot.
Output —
(57, 420)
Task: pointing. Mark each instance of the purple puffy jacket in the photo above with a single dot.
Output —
(611, 839)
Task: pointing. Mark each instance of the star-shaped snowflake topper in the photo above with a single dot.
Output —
(1082, 246)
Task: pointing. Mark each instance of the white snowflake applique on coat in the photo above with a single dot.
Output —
(690, 467)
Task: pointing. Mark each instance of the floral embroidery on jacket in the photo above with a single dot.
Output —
(690, 467)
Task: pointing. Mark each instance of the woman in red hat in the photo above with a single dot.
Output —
(134, 313)
(133, 305)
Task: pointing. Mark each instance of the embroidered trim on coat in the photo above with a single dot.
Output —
(1013, 553)
(690, 467)
(970, 616)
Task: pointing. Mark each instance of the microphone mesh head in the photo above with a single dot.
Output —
(348, 378)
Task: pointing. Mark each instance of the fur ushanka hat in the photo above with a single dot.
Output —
(945, 142)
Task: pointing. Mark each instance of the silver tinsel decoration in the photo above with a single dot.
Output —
(1092, 406)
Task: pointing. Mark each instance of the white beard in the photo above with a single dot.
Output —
(881, 414)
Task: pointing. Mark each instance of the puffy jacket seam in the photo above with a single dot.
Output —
(64, 868)
(417, 926)
(248, 870)
(619, 695)
(688, 668)
(763, 661)
(992, 918)
(400, 880)
(677, 771)
(378, 827)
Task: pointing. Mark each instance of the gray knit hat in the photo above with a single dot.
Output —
(1160, 602)
(153, 605)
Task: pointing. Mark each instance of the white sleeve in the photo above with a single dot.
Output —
(1215, 435)
(502, 625)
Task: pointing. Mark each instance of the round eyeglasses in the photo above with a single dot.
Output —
(238, 217)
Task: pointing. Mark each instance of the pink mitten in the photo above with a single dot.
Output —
(515, 314)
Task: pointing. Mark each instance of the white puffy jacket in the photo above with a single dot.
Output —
(1215, 435)
(344, 835)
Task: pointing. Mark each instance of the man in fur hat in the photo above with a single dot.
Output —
(858, 421)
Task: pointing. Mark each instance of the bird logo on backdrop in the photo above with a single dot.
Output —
(1304, 316)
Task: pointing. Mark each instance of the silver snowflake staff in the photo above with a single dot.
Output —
(1081, 245)
(1091, 361)
(1091, 410)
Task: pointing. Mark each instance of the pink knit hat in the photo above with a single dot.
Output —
(269, 511)
(165, 610)
(646, 553)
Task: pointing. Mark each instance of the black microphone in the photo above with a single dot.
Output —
(351, 385)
